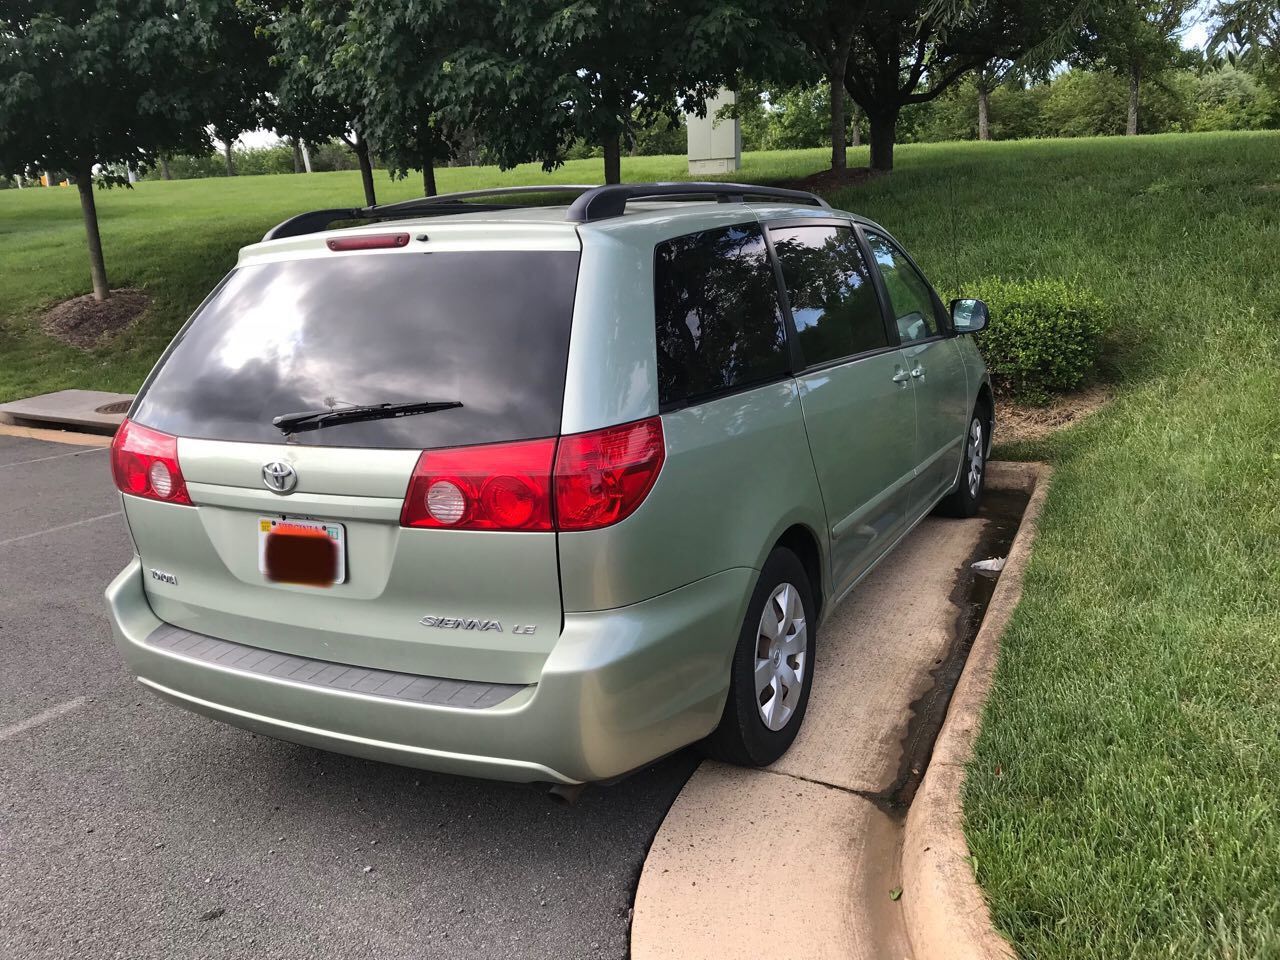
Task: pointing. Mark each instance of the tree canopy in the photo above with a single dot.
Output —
(107, 82)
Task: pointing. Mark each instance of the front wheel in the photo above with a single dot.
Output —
(965, 500)
(772, 669)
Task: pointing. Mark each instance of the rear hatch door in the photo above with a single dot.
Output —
(487, 328)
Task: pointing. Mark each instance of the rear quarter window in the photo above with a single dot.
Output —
(489, 329)
(717, 314)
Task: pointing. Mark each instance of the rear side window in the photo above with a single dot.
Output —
(719, 323)
(488, 329)
(833, 302)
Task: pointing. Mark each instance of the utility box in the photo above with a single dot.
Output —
(715, 146)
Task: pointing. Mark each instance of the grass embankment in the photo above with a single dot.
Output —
(1125, 798)
(177, 239)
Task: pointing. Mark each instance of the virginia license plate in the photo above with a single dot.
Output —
(309, 552)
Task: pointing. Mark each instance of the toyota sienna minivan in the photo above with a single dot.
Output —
(538, 493)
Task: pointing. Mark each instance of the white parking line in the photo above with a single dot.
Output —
(52, 713)
(65, 526)
(56, 456)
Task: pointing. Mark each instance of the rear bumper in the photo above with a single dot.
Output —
(621, 688)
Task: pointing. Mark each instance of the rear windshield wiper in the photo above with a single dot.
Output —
(315, 419)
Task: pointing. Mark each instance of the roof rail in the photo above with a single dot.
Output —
(442, 205)
(592, 203)
(606, 202)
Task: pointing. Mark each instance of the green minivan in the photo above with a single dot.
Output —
(538, 493)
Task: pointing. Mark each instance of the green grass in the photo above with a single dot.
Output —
(1125, 797)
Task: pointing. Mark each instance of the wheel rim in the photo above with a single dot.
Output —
(975, 456)
(782, 654)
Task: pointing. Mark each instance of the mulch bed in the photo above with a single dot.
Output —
(86, 323)
(1016, 423)
(826, 181)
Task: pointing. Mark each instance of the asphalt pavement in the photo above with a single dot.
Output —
(132, 829)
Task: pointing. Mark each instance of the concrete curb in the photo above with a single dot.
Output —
(944, 909)
(56, 436)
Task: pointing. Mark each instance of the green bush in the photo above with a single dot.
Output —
(1045, 336)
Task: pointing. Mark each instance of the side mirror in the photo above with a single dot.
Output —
(969, 316)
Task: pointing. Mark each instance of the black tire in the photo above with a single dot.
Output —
(966, 498)
(743, 737)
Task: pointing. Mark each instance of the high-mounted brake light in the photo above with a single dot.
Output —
(498, 486)
(580, 482)
(604, 475)
(368, 241)
(144, 463)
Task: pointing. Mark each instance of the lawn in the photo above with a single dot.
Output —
(1125, 797)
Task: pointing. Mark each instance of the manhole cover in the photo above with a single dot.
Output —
(118, 406)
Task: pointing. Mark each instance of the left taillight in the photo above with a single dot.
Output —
(144, 463)
(500, 486)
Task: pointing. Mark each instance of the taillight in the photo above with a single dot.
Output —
(602, 476)
(595, 479)
(500, 486)
(144, 463)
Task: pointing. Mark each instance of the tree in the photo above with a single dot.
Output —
(320, 95)
(1134, 39)
(911, 51)
(827, 29)
(400, 53)
(548, 73)
(241, 78)
(99, 82)
(1249, 32)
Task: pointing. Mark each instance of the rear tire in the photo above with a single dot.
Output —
(965, 500)
(772, 670)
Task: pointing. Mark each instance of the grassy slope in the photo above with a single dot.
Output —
(177, 239)
(1125, 800)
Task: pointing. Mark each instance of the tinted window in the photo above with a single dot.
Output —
(832, 300)
(909, 293)
(488, 329)
(719, 324)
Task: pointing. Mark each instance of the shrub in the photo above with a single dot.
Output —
(1045, 336)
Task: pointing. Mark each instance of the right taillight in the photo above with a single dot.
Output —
(601, 477)
(144, 463)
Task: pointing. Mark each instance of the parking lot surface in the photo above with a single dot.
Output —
(132, 829)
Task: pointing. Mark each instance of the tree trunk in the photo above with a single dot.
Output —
(97, 267)
(1135, 79)
(164, 169)
(855, 129)
(839, 151)
(231, 164)
(612, 159)
(884, 131)
(306, 155)
(297, 156)
(984, 113)
(428, 173)
(366, 170)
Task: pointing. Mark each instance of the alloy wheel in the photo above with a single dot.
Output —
(782, 652)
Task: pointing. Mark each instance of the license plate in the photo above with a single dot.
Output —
(308, 552)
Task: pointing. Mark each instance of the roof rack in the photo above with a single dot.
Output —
(591, 203)
(604, 203)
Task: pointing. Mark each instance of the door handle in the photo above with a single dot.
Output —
(918, 372)
(900, 377)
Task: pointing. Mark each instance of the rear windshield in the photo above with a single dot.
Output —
(487, 329)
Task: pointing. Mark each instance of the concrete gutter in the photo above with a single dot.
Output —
(88, 411)
(944, 909)
(823, 852)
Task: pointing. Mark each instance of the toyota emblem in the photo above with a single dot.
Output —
(279, 477)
